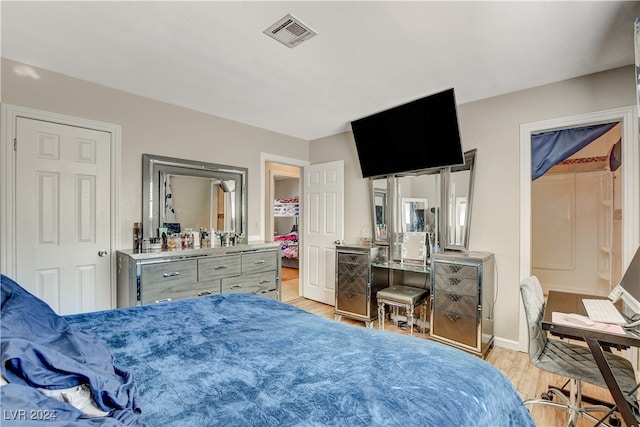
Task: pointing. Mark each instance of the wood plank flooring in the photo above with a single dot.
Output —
(528, 380)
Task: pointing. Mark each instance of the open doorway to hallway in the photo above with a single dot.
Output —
(282, 212)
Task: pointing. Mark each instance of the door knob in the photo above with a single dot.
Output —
(102, 253)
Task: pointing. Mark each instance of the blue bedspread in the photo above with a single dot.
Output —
(245, 360)
(40, 350)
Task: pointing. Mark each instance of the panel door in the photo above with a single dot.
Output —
(323, 193)
(63, 200)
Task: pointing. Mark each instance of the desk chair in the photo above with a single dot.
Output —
(572, 361)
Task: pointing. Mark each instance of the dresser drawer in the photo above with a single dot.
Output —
(353, 269)
(347, 282)
(258, 283)
(352, 302)
(464, 305)
(458, 285)
(457, 270)
(169, 274)
(454, 327)
(213, 268)
(259, 261)
(352, 258)
(173, 291)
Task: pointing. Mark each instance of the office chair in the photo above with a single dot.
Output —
(572, 361)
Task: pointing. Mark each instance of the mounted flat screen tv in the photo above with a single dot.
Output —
(421, 134)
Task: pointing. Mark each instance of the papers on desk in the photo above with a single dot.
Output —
(560, 319)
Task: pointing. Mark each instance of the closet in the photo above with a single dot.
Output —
(286, 214)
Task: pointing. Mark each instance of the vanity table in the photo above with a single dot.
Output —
(151, 277)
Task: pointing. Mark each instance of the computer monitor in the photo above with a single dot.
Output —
(628, 289)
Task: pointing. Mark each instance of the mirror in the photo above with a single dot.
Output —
(414, 248)
(414, 214)
(378, 194)
(456, 210)
(415, 207)
(180, 194)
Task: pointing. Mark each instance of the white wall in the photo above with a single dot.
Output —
(152, 127)
(492, 126)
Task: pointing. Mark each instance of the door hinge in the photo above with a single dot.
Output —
(15, 144)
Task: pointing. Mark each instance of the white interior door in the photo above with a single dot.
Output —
(63, 214)
(323, 224)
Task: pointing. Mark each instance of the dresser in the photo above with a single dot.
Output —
(150, 277)
(356, 285)
(462, 298)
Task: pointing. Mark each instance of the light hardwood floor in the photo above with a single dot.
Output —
(528, 380)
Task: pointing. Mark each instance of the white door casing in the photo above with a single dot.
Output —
(323, 195)
(60, 207)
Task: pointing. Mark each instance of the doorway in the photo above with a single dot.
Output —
(630, 191)
(576, 211)
(282, 211)
(34, 146)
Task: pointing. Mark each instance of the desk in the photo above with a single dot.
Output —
(565, 302)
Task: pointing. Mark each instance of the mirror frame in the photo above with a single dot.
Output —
(377, 239)
(469, 164)
(153, 165)
(394, 231)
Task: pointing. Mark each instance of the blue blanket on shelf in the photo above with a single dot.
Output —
(241, 359)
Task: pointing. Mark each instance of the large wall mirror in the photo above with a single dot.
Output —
(458, 184)
(416, 207)
(380, 215)
(181, 194)
(434, 201)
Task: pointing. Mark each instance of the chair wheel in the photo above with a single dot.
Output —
(614, 421)
(547, 396)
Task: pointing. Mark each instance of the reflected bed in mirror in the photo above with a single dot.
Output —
(181, 194)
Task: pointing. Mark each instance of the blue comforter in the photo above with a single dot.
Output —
(40, 350)
(241, 359)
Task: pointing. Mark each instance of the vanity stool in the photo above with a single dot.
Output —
(409, 298)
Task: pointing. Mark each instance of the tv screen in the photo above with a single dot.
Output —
(421, 134)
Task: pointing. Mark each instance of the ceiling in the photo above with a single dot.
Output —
(213, 57)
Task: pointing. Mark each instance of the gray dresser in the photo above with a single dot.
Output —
(356, 286)
(462, 297)
(150, 277)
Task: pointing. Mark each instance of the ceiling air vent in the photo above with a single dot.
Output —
(290, 31)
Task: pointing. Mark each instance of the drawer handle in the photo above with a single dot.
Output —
(204, 293)
(163, 300)
(174, 274)
(453, 317)
(262, 282)
(454, 281)
(350, 294)
(235, 286)
(351, 279)
(220, 267)
(454, 268)
(453, 297)
(260, 261)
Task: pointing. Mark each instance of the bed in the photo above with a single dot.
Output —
(239, 359)
(288, 248)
